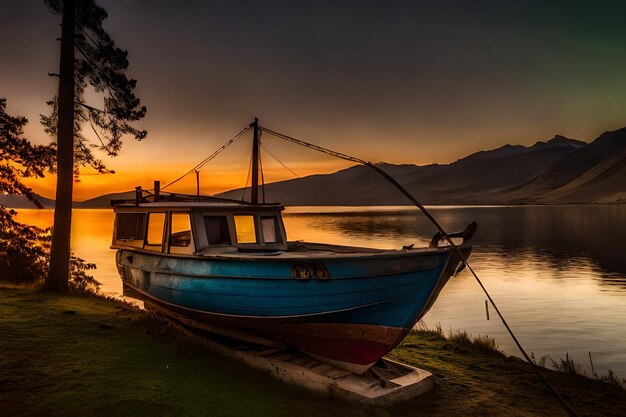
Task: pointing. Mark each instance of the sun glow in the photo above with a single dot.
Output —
(213, 179)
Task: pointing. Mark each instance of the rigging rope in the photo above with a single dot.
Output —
(279, 161)
(262, 176)
(209, 158)
(261, 166)
(243, 194)
(409, 196)
(314, 147)
(423, 209)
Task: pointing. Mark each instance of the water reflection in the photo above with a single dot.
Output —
(560, 235)
(558, 273)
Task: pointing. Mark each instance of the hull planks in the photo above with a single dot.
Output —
(361, 308)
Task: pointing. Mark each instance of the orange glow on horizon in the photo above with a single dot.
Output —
(213, 180)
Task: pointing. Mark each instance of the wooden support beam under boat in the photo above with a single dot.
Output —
(386, 383)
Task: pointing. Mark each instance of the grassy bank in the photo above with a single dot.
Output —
(65, 355)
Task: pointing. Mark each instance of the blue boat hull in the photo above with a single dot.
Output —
(362, 311)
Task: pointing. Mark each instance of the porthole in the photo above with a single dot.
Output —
(305, 271)
(300, 271)
(319, 271)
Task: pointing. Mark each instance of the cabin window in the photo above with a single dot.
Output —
(246, 232)
(130, 226)
(217, 230)
(271, 231)
(180, 236)
(156, 225)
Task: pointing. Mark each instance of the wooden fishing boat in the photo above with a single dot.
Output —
(226, 266)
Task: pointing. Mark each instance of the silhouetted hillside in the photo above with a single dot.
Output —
(104, 200)
(19, 201)
(482, 177)
(594, 173)
(560, 170)
(351, 186)
(478, 178)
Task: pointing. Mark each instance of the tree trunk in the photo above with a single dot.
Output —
(58, 277)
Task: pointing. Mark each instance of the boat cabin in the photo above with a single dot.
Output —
(183, 224)
(197, 228)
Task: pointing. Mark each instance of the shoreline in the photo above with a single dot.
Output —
(588, 275)
(86, 354)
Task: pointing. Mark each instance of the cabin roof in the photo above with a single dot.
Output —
(213, 206)
(201, 204)
(146, 199)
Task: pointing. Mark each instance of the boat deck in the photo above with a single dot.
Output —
(309, 250)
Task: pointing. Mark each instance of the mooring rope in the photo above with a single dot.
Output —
(423, 209)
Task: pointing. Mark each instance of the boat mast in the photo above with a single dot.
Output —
(254, 196)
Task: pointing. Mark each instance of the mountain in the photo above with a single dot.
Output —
(19, 201)
(559, 170)
(357, 185)
(478, 178)
(483, 177)
(104, 201)
(594, 173)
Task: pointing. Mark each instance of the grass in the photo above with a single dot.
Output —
(460, 340)
(568, 366)
(69, 355)
(474, 378)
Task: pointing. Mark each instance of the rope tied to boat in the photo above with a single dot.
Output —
(445, 236)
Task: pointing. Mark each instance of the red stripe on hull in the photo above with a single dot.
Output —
(353, 343)
(358, 344)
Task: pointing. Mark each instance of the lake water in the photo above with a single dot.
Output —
(557, 273)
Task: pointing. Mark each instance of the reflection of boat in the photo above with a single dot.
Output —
(226, 266)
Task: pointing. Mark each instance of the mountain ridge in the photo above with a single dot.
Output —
(555, 171)
(473, 179)
(599, 168)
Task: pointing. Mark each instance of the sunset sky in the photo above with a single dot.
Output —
(401, 82)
